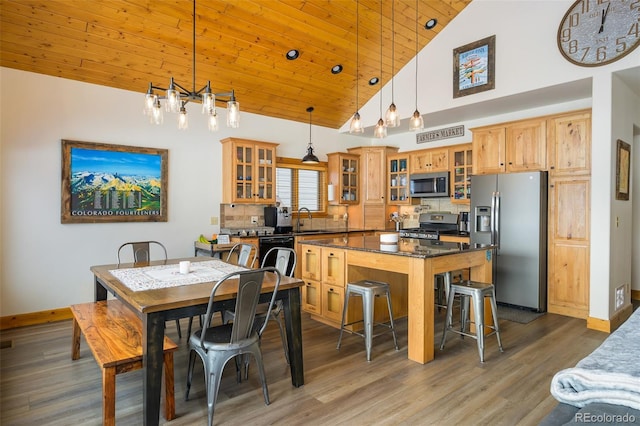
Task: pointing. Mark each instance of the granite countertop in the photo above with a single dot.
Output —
(405, 247)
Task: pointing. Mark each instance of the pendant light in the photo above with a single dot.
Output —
(380, 131)
(416, 122)
(310, 158)
(392, 118)
(356, 123)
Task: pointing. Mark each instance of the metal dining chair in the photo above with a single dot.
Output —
(142, 253)
(217, 345)
(243, 254)
(284, 259)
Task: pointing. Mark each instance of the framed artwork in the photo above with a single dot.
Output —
(474, 67)
(113, 183)
(623, 164)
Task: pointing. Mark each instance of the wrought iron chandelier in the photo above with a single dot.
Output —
(177, 97)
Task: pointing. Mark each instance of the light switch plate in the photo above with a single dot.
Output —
(214, 220)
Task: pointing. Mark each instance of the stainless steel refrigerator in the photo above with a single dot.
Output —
(510, 211)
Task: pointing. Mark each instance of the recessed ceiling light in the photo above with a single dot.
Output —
(431, 23)
(293, 54)
(336, 69)
(374, 81)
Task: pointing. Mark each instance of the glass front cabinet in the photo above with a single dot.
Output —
(251, 167)
(398, 179)
(461, 169)
(344, 172)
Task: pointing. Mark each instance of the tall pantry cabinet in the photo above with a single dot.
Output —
(370, 213)
(569, 165)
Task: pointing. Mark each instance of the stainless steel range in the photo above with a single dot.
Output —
(432, 225)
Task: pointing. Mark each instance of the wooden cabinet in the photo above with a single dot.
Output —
(311, 263)
(373, 172)
(323, 272)
(343, 170)
(569, 144)
(512, 147)
(569, 246)
(569, 161)
(312, 297)
(398, 180)
(249, 168)
(371, 212)
(460, 173)
(332, 302)
(333, 266)
(429, 160)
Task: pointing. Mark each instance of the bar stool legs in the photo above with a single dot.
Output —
(476, 291)
(368, 290)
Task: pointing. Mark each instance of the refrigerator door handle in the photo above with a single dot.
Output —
(495, 219)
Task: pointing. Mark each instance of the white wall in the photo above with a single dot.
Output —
(45, 265)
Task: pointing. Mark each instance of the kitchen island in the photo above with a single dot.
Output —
(409, 267)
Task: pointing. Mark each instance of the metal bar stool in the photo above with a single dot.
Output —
(477, 291)
(368, 290)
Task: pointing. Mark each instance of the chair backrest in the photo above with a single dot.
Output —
(249, 288)
(246, 254)
(142, 250)
(282, 258)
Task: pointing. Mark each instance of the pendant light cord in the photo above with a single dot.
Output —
(381, 59)
(417, 55)
(393, 46)
(194, 46)
(357, 52)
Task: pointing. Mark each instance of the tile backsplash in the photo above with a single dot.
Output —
(427, 205)
(239, 216)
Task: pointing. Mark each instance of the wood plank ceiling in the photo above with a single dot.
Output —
(239, 45)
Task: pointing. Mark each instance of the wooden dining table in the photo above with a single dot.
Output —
(155, 306)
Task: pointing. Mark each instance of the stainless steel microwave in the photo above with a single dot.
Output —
(429, 184)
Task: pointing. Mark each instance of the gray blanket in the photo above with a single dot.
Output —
(610, 374)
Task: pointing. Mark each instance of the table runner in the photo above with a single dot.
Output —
(164, 276)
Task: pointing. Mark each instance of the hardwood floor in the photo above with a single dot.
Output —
(40, 384)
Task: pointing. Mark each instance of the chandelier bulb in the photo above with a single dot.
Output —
(233, 114)
(213, 120)
(183, 123)
(156, 113)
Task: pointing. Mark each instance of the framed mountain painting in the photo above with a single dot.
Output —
(113, 183)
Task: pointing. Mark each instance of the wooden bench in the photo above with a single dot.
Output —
(114, 335)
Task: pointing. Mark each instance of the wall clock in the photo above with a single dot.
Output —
(598, 32)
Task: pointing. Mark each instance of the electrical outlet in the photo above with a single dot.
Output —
(254, 220)
(619, 297)
(214, 220)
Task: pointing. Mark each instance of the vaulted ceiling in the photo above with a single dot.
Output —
(239, 45)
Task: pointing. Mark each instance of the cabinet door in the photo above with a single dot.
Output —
(439, 161)
(460, 173)
(526, 147)
(265, 166)
(569, 144)
(568, 252)
(243, 173)
(374, 175)
(419, 161)
(333, 266)
(311, 263)
(398, 180)
(332, 302)
(489, 151)
(312, 297)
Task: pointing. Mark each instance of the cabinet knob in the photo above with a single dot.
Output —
(552, 167)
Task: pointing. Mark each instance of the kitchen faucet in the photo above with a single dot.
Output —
(299, 211)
